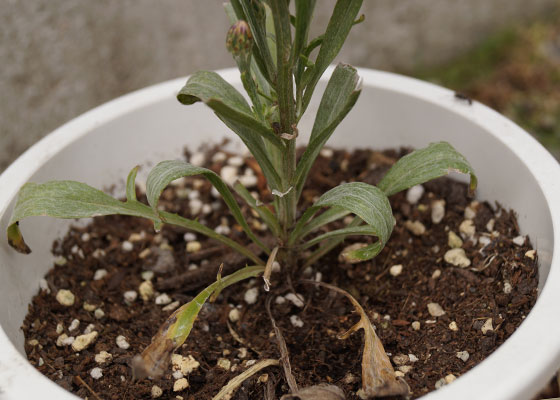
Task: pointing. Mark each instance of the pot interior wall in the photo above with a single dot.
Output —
(382, 118)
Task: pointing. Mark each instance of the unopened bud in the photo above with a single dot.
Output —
(239, 39)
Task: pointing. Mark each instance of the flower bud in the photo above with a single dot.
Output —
(239, 39)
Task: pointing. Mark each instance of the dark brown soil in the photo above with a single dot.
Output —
(470, 296)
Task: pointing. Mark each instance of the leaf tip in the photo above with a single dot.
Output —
(15, 239)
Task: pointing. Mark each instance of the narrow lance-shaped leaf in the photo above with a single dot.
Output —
(304, 13)
(342, 19)
(434, 161)
(173, 333)
(70, 200)
(365, 201)
(210, 88)
(167, 171)
(341, 94)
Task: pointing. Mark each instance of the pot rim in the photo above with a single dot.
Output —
(19, 379)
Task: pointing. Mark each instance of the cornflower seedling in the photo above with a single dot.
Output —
(279, 74)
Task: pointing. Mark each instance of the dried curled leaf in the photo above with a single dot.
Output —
(173, 333)
(318, 392)
(378, 375)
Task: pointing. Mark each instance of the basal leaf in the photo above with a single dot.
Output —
(173, 333)
(438, 159)
(367, 202)
(67, 199)
(341, 94)
(167, 171)
(210, 88)
(342, 19)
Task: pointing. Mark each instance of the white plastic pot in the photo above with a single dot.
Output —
(101, 146)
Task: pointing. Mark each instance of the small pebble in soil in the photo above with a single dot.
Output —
(219, 157)
(127, 246)
(398, 374)
(235, 161)
(490, 225)
(40, 362)
(401, 359)
(98, 313)
(122, 343)
(438, 211)
(484, 241)
(184, 364)
(33, 342)
(296, 299)
(405, 369)
(463, 355)
(453, 240)
(145, 253)
(280, 300)
(146, 290)
(414, 194)
(89, 307)
(222, 230)
(147, 275)
(60, 261)
(74, 325)
(163, 299)
(189, 237)
(412, 358)
(177, 375)
(195, 206)
(229, 174)
(530, 254)
(234, 315)
(193, 247)
(130, 296)
(44, 285)
(519, 240)
(206, 209)
(249, 181)
(296, 321)
(180, 384)
(435, 310)
(59, 328)
(242, 353)
(487, 327)
(103, 357)
(156, 392)
(84, 341)
(90, 328)
(470, 210)
(65, 297)
(450, 378)
(197, 159)
(96, 373)
(251, 295)
(396, 270)
(99, 274)
(171, 306)
(326, 152)
(415, 227)
(507, 287)
(453, 326)
(457, 257)
(416, 325)
(64, 340)
(440, 383)
(98, 253)
(436, 274)
(467, 228)
(318, 277)
(224, 363)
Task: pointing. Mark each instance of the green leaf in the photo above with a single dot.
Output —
(303, 229)
(341, 94)
(210, 88)
(266, 215)
(131, 184)
(69, 200)
(342, 19)
(304, 14)
(173, 333)
(434, 161)
(167, 171)
(367, 202)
